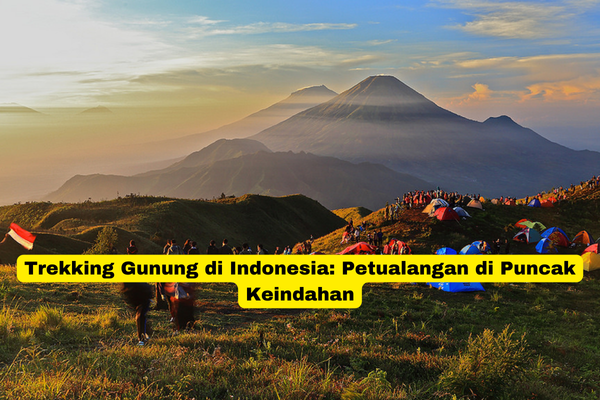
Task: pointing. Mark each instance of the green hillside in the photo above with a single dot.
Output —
(424, 234)
(513, 341)
(72, 228)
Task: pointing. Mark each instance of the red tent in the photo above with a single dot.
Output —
(547, 204)
(359, 248)
(592, 249)
(446, 214)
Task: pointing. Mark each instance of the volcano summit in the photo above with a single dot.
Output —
(382, 120)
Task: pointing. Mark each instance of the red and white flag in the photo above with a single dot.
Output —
(21, 236)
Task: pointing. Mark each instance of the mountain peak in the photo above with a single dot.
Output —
(314, 90)
(16, 108)
(503, 120)
(387, 91)
(97, 110)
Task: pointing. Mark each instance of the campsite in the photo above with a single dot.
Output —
(406, 341)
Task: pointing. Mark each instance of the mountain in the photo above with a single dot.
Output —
(14, 108)
(210, 172)
(96, 111)
(298, 101)
(382, 120)
(222, 149)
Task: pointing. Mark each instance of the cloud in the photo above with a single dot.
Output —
(583, 89)
(482, 93)
(514, 20)
(268, 27)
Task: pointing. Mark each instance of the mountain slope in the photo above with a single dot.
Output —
(150, 221)
(384, 121)
(333, 182)
(298, 101)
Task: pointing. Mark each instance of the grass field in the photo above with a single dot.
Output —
(526, 341)
(513, 341)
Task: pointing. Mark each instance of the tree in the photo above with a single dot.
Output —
(105, 241)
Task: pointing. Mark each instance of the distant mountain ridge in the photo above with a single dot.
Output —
(382, 120)
(332, 182)
(296, 102)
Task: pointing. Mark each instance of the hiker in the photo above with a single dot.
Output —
(181, 304)
(193, 249)
(132, 249)
(167, 247)
(187, 246)
(212, 248)
(260, 250)
(174, 249)
(225, 249)
(137, 296)
(246, 249)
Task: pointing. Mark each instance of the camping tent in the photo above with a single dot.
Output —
(591, 258)
(534, 203)
(446, 251)
(547, 204)
(528, 235)
(482, 245)
(557, 235)
(583, 237)
(545, 246)
(359, 248)
(387, 249)
(446, 214)
(455, 287)
(510, 202)
(469, 249)
(525, 223)
(461, 212)
(521, 223)
(591, 261)
(434, 205)
(475, 204)
(538, 226)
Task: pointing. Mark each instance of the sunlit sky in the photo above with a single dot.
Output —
(212, 62)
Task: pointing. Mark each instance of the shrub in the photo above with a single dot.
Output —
(488, 366)
(105, 241)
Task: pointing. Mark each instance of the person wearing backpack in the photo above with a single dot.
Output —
(174, 249)
(137, 296)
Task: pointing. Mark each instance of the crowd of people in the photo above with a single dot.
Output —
(178, 297)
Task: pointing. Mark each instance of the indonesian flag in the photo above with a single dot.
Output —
(21, 236)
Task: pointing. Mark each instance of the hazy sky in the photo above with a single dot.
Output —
(170, 68)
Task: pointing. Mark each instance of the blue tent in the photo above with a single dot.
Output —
(534, 203)
(455, 287)
(445, 251)
(482, 245)
(469, 249)
(550, 231)
(545, 246)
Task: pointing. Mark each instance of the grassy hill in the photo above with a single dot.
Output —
(513, 341)
(72, 228)
(522, 341)
(581, 211)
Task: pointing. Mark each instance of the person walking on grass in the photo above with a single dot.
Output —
(137, 296)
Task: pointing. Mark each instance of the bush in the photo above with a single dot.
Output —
(105, 241)
(488, 366)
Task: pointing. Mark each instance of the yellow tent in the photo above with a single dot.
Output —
(591, 261)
